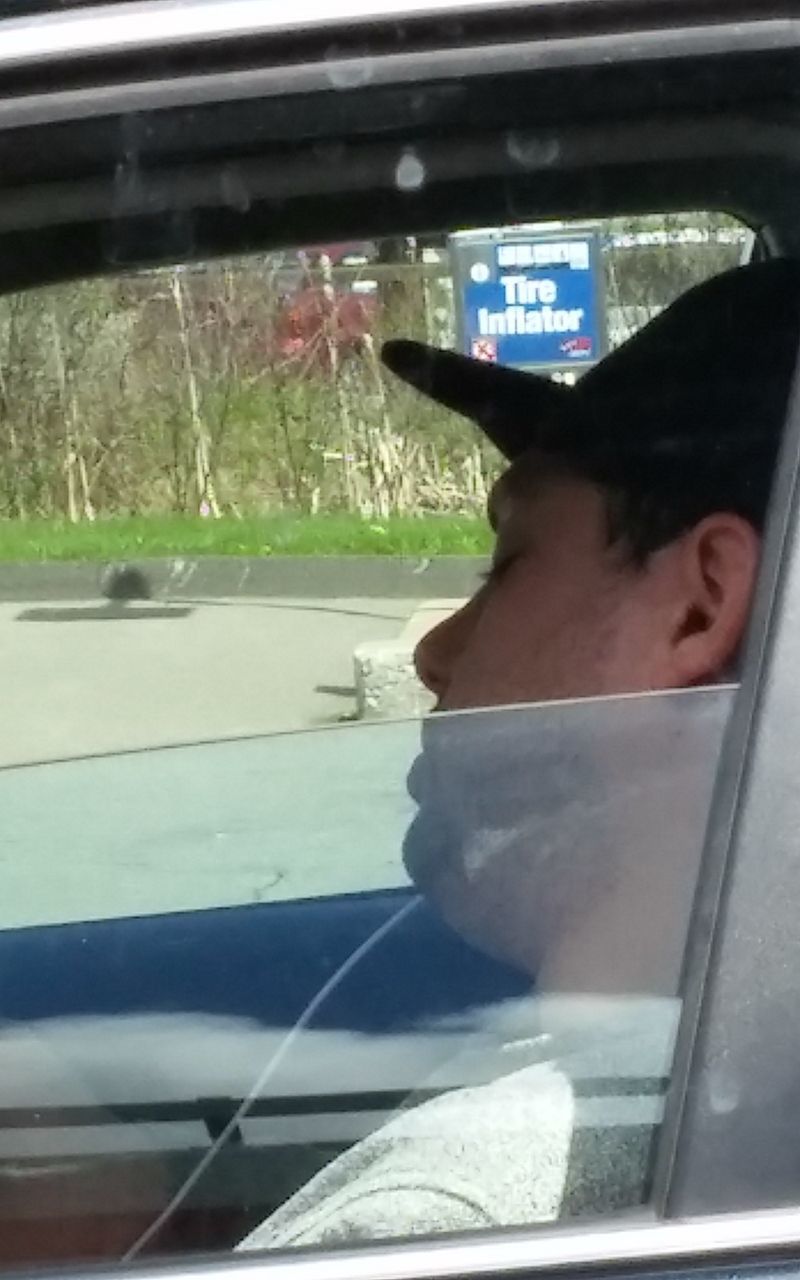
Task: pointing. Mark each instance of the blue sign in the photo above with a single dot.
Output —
(534, 302)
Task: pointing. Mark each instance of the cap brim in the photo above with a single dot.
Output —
(515, 409)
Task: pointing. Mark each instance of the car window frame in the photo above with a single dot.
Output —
(607, 1250)
(133, 90)
(722, 980)
(719, 1062)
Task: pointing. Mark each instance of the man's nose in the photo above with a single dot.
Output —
(440, 648)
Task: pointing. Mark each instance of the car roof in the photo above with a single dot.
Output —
(115, 156)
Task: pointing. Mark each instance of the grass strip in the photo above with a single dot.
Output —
(143, 537)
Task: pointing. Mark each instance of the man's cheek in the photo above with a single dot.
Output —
(631, 653)
(507, 664)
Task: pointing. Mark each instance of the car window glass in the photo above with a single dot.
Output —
(258, 905)
(174, 1079)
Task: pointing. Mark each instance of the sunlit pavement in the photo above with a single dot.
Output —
(84, 678)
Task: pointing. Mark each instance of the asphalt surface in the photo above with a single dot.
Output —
(82, 678)
(105, 824)
(295, 815)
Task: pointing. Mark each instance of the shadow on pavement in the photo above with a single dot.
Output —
(336, 690)
(114, 611)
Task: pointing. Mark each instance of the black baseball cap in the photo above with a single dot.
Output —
(695, 399)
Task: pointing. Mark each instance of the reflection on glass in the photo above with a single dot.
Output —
(178, 1079)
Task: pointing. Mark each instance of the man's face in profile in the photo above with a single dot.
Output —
(565, 614)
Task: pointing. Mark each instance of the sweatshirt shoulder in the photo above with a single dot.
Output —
(492, 1155)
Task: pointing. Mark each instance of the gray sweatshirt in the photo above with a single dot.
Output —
(553, 1139)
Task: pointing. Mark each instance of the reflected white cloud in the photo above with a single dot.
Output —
(104, 1063)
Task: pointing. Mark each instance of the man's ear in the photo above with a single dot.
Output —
(718, 563)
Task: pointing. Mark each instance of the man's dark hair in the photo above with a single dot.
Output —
(643, 522)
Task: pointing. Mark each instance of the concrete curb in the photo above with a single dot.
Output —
(228, 576)
(387, 685)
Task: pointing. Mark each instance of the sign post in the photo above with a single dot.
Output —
(530, 298)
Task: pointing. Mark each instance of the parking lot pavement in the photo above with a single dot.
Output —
(81, 678)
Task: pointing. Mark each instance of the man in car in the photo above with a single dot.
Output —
(628, 530)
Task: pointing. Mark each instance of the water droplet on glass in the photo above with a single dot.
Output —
(410, 172)
(235, 191)
(724, 1091)
(128, 198)
(533, 150)
(128, 191)
(348, 69)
